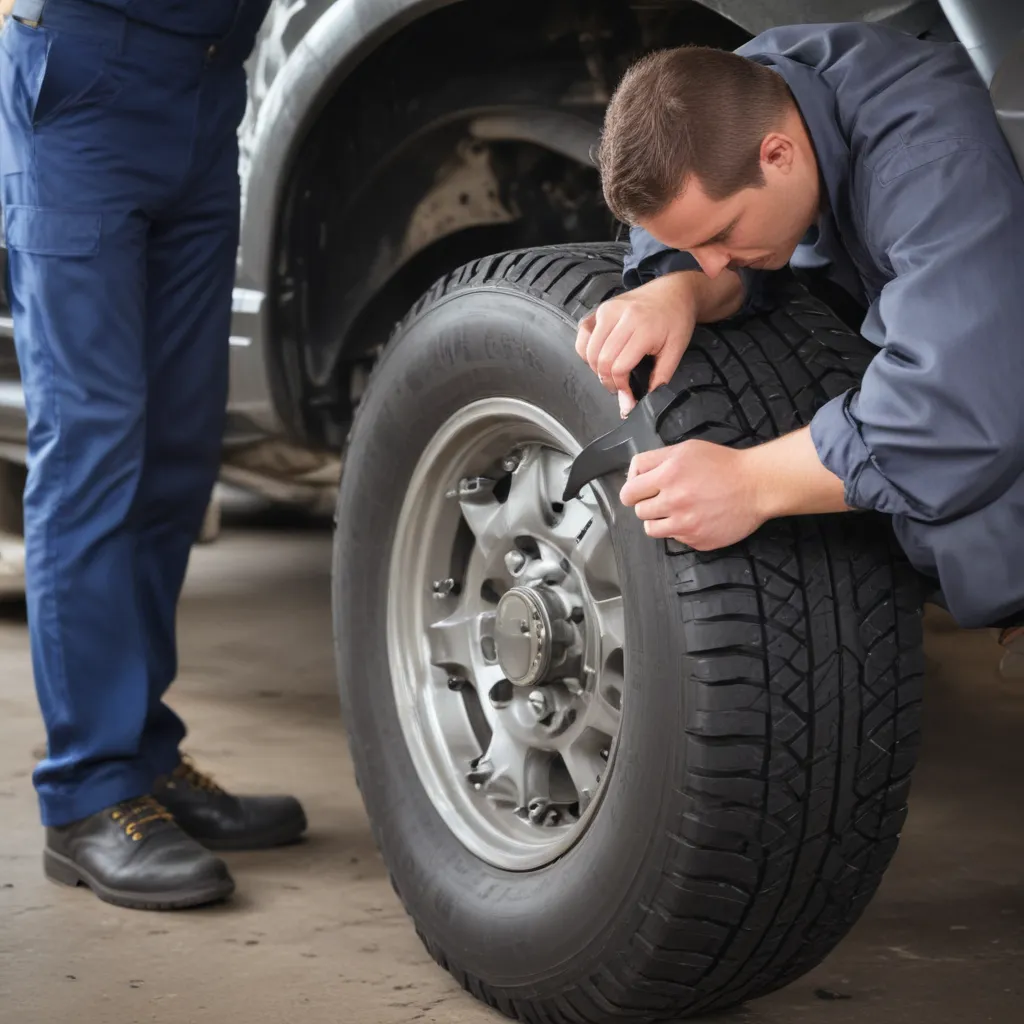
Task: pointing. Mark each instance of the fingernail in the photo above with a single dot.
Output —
(623, 404)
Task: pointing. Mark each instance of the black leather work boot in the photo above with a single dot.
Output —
(221, 821)
(134, 855)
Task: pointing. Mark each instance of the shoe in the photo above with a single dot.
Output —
(134, 855)
(221, 821)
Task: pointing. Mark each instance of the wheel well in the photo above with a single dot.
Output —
(466, 133)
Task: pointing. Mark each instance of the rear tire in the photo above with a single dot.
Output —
(770, 715)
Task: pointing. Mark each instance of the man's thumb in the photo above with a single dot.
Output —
(626, 403)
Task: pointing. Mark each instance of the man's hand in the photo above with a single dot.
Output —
(6, 6)
(708, 496)
(696, 492)
(656, 319)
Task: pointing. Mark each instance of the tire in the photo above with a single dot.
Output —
(771, 711)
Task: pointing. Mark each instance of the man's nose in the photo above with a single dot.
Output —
(711, 261)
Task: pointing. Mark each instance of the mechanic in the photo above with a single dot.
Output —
(874, 159)
(121, 200)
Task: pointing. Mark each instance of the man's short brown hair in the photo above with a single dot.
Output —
(689, 111)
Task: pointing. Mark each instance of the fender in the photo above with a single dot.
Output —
(285, 100)
(305, 47)
(986, 28)
(993, 33)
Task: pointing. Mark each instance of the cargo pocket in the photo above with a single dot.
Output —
(49, 232)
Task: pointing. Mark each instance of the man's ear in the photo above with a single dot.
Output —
(777, 152)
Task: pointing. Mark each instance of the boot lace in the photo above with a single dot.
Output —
(187, 773)
(131, 815)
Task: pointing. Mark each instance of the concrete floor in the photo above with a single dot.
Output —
(315, 934)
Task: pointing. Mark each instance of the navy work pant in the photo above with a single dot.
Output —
(120, 193)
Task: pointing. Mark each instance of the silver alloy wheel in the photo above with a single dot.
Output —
(505, 634)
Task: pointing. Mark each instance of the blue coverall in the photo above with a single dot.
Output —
(922, 224)
(120, 193)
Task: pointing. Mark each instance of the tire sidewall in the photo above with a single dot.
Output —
(530, 933)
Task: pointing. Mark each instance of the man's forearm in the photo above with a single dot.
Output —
(718, 298)
(788, 478)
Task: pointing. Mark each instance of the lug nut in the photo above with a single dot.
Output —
(576, 615)
(457, 683)
(511, 462)
(536, 810)
(539, 703)
(445, 588)
(514, 561)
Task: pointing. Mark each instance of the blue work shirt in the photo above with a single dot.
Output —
(923, 223)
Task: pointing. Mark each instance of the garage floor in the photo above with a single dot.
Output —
(315, 934)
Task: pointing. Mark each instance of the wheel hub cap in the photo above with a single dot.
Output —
(523, 636)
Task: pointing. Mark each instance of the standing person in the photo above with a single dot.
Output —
(120, 193)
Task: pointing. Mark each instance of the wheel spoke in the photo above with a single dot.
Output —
(516, 775)
(593, 552)
(584, 765)
(455, 642)
(530, 495)
(602, 715)
(488, 676)
(577, 517)
(611, 624)
(451, 720)
(489, 521)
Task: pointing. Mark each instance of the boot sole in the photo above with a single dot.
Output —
(65, 871)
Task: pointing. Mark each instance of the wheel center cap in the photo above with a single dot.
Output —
(522, 636)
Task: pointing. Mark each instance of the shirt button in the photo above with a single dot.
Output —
(211, 51)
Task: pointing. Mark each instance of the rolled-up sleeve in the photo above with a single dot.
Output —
(648, 258)
(936, 428)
